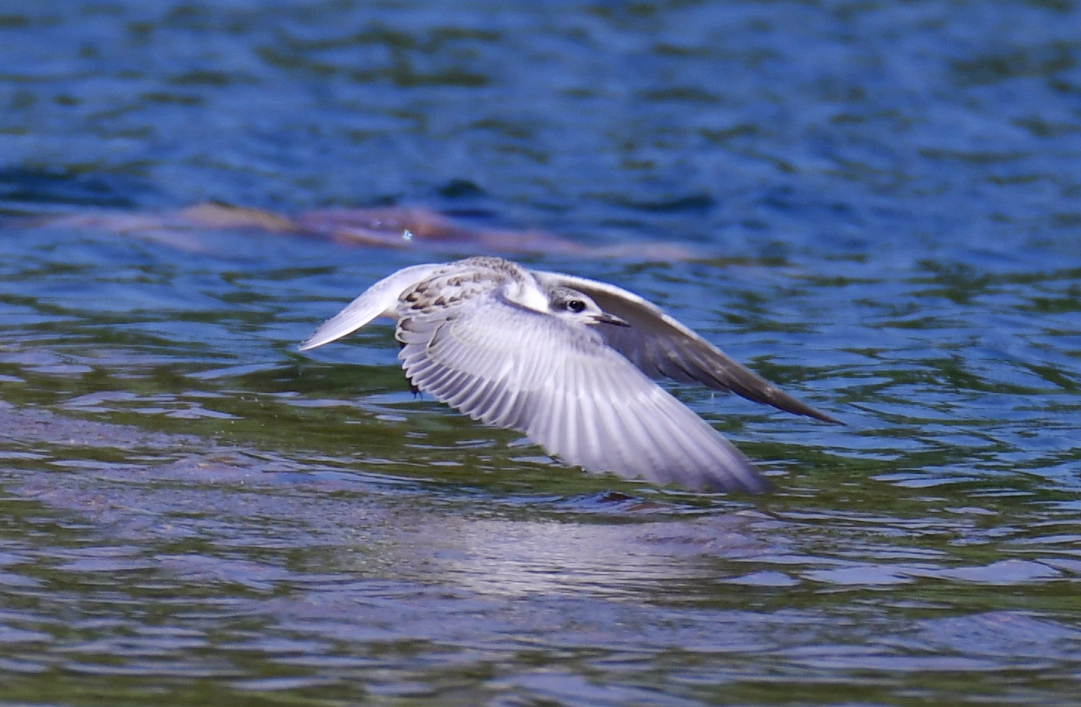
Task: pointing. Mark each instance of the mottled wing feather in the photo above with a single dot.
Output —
(563, 387)
(662, 347)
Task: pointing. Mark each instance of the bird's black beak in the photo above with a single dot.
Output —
(606, 318)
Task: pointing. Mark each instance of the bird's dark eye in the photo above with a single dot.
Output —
(576, 305)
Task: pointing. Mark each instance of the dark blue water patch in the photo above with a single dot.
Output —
(690, 203)
(34, 189)
(370, 104)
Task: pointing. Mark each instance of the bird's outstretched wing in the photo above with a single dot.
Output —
(562, 386)
(662, 347)
(380, 299)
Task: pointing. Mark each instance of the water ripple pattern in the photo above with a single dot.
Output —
(874, 204)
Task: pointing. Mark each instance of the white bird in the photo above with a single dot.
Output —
(568, 362)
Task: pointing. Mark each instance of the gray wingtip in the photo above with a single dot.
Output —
(821, 416)
(757, 484)
(319, 338)
(746, 479)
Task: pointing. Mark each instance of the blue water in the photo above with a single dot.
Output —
(873, 204)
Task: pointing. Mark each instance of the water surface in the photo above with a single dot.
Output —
(878, 204)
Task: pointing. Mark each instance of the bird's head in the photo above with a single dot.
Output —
(571, 305)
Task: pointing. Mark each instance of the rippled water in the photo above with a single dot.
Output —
(880, 205)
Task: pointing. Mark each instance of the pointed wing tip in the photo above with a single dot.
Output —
(319, 339)
(823, 417)
(752, 483)
(758, 487)
(775, 397)
(738, 475)
(313, 342)
(337, 327)
(748, 480)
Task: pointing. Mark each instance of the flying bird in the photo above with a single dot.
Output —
(567, 361)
